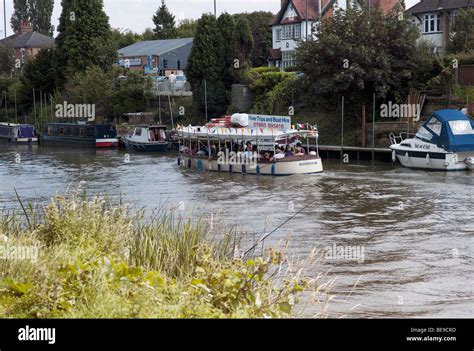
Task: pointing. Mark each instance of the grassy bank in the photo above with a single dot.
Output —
(99, 260)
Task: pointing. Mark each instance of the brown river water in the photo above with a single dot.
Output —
(411, 232)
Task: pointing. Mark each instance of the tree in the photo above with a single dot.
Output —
(164, 23)
(226, 26)
(85, 38)
(358, 53)
(462, 39)
(123, 38)
(148, 34)
(186, 29)
(37, 12)
(205, 63)
(243, 42)
(7, 59)
(262, 35)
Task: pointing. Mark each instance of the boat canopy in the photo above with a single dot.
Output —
(450, 130)
(216, 133)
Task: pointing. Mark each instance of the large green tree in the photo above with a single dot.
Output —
(359, 53)
(226, 25)
(186, 29)
(259, 22)
(85, 38)
(462, 38)
(205, 64)
(37, 12)
(243, 42)
(7, 59)
(165, 27)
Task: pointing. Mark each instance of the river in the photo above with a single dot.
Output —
(413, 230)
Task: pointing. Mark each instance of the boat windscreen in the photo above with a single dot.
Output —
(461, 127)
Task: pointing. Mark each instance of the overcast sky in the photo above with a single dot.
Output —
(136, 14)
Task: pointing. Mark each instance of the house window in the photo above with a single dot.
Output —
(432, 23)
(278, 34)
(288, 58)
(291, 31)
(454, 15)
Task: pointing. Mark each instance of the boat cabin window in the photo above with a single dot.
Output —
(423, 133)
(461, 127)
(405, 144)
(138, 131)
(435, 126)
(50, 130)
(81, 132)
(61, 131)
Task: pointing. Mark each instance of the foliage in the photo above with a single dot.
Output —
(7, 59)
(148, 34)
(164, 23)
(101, 261)
(226, 25)
(123, 38)
(186, 29)
(358, 53)
(37, 12)
(205, 63)
(243, 46)
(462, 37)
(85, 38)
(259, 22)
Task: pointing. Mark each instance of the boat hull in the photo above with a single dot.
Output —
(432, 161)
(78, 142)
(19, 141)
(145, 147)
(307, 165)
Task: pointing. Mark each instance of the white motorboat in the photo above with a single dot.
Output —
(445, 142)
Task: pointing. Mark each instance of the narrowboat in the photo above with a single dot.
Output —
(17, 134)
(147, 139)
(77, 134)
(250, 149)
(445, 142)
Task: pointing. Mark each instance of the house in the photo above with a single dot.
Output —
(297, 20)
(435, 19)
(157, 57)
(27, 43)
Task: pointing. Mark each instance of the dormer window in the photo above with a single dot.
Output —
(432, 23)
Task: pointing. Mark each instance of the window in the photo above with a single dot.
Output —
(461, 127)
(61, 131)
(432, 23)
(81, 132)
(454, 15)
(290, 31)
(435, 126)
(288, 58)
(138, 131)
(278, 34)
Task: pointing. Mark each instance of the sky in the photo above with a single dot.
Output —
(136, 15)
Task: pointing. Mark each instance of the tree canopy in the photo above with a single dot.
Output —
(165, 27)
(36, 12)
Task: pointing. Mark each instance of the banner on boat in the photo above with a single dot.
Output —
(264, 121)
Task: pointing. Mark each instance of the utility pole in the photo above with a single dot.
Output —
(215, 8)
(307, 20)
(5, 20)
(205, 98)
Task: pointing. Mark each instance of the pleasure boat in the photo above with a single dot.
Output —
(445, 142)
(219, 148)
(17, 134)
(147, 139)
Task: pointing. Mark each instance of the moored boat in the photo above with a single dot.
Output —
(17, 134)
(250, 150)
(86, 135)
(445, 142)
(147, 139)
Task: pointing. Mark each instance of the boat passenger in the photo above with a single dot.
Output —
(299, 151)
(278, 154)
(288, 151)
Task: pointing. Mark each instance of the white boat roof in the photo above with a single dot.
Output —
(243, 133)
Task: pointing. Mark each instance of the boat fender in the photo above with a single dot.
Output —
(273, 169)
(179, 161)
(218, 167)
(230, 168)
(406, 157)
(258, 170)
(244, 169)
(189, 163)
(394, 156)
(199, 165)
(428, 159)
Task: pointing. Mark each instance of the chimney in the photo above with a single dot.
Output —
(25, 27)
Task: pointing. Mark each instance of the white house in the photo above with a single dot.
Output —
(297, 20)
(435, 19)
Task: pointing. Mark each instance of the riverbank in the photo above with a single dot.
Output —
(86, 258)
